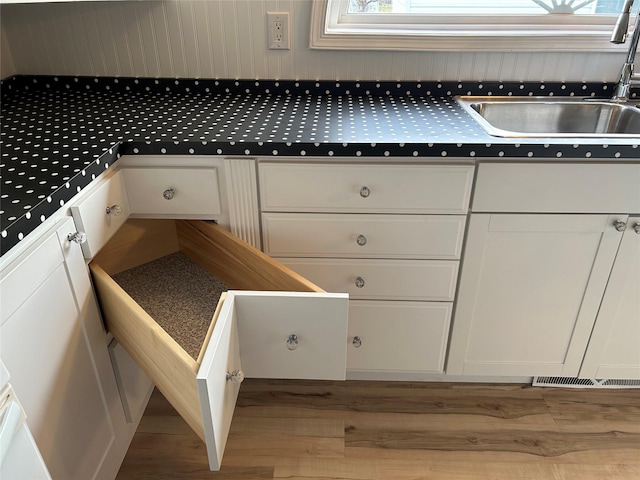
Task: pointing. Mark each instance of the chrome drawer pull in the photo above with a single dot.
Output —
(365, 192)
(77, 237)
(636, 228)
(357, 342)
(359, 282)
(169, 193)
(114, 210)
(361, 240)
(237, 376)
(292, 342)
(619, 225)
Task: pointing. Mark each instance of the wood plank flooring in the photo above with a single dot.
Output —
(401, 431)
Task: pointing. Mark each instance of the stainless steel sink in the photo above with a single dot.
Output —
(553, 117)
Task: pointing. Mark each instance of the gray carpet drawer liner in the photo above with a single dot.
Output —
(178, 294)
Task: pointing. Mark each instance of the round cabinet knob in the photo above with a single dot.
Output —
(292, 342)
(357, 342)
(169, 193)
(359, 282)
(237, 376)
(365, 192)
(77, 237)
(361, 240)
(619, 225)
(636, 228)
(114, 210)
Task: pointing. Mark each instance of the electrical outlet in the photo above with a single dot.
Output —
(278, 30)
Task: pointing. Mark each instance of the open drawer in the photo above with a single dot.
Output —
(275, 325)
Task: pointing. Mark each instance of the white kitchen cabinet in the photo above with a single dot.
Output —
(529, 292)
(52, 343)
(540, 251)
(222, 191)
(614, 348)
(293, 330)
(389, 234)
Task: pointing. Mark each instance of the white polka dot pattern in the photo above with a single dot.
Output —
(60, 133)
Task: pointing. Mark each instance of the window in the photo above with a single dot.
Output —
(494, 25)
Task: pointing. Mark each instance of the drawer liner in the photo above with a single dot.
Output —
(178, 294)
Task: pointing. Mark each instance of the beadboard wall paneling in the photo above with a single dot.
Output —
(7, 67)
(228, 39)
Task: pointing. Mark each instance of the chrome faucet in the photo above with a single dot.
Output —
(628, 78)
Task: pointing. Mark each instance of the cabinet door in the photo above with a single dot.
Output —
(50, 344)
(529, 292)
(614, 347)
(134, 387)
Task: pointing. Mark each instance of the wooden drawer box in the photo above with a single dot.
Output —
(173, 192)
(250, 331)
(363, 235)
(398, 336)
(422, 280)
(365, 188)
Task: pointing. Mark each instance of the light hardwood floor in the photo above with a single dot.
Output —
(401, 431)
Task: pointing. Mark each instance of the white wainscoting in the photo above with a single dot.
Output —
(7, 67)
(228, 39)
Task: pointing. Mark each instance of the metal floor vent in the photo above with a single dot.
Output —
(569, 382)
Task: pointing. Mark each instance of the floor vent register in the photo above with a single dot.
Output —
(569, 382)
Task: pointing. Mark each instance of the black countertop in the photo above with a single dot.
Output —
(60, 133)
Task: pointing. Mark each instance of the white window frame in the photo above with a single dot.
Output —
(334, 29)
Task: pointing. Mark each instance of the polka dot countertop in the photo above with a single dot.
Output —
(60, 133)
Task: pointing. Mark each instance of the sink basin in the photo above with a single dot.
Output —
(553, 117)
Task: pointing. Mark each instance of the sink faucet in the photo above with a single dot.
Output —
(627, 76)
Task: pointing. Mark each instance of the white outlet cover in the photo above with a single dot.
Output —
(278, 40)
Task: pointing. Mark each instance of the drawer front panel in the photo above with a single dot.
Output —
(92, 218)
(557, 188)
(268, 320)
(364, 236)
(381, 279)
(365, 188)
(173, 192)
(398, 336)
(217, 393)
